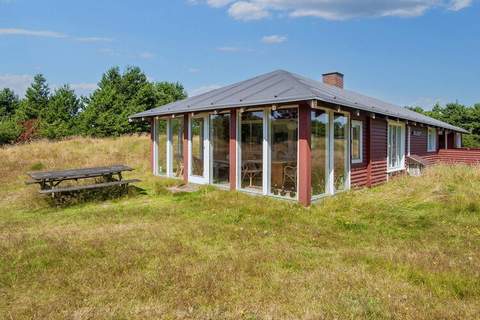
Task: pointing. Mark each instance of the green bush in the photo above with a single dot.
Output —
(9, 130)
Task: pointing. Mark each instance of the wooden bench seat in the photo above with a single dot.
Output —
(90, 186)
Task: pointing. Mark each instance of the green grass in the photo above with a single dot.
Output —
(408, 249)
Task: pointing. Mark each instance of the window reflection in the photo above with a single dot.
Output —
(340, 145)
(177, 146)
(319, 147)
(220, 139)
(161, 147)
(197, 146)
(284, 141)
(251, 137)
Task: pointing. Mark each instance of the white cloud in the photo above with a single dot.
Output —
(18, 83)
(274, 39)
(84, 88)
(49, 34)
(203, 89)
(457, 5)
(31, 33)
(333, 9)
(234, 49)
(218, 3)
(94, 39)
(109, 52)
(229, 49)
(146, 55)
(193, 70)
(247, 10)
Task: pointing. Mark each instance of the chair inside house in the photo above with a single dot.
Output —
(179, 171)
(284, 171)
(197, 166)
(252, 170)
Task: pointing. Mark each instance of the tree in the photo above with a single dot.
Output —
(458, 115)
(167, 92)
(8, 102)
(120, 95)
(57, 119)
(36, 98)
(417, 109)
(9, 130)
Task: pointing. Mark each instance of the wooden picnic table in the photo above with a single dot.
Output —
(50, 180)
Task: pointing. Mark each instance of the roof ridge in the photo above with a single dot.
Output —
(297, 80)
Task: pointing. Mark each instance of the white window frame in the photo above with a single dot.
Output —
(265, 151)
(269, 146)
(156, 146)
(357, 123)
(330, 161)
(431, 131)
(402, 146)
(205, 177)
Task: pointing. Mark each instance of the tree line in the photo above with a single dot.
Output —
(61, 113)
(458, 115)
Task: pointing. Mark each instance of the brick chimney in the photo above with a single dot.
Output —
(333, 79)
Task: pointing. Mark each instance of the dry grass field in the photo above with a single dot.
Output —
(409, 249)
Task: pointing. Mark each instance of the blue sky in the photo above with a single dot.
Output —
(406, 51)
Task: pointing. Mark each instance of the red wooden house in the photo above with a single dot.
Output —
(283, 135)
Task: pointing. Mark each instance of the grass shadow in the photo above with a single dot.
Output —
(66, 199)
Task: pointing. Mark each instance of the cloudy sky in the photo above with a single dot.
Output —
(404, 51)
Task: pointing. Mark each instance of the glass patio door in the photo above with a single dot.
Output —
(220, 144)
(330, 152)
(320, 152)
(251, 150)
(198, 149)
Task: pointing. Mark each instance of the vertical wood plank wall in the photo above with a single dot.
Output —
(304, 155)
(373, 170)
(359, 171)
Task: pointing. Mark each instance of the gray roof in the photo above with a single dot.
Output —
(282, 86)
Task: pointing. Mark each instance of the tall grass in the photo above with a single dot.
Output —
(409, 249)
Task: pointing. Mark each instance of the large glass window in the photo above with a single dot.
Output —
(161, 131)
(357, 141)
(176, 127)
(284, 141)
(251, 137)
(340, 150)
(319, 146)
(432, 139)
(197, 130)
(396, 152)
(220, 140)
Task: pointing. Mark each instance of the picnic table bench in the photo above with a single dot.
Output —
(49, 180)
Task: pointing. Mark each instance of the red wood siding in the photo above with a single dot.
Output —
(374, 137)
(419, 143)
(454, 156)
(379, 151)
(359, 172)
